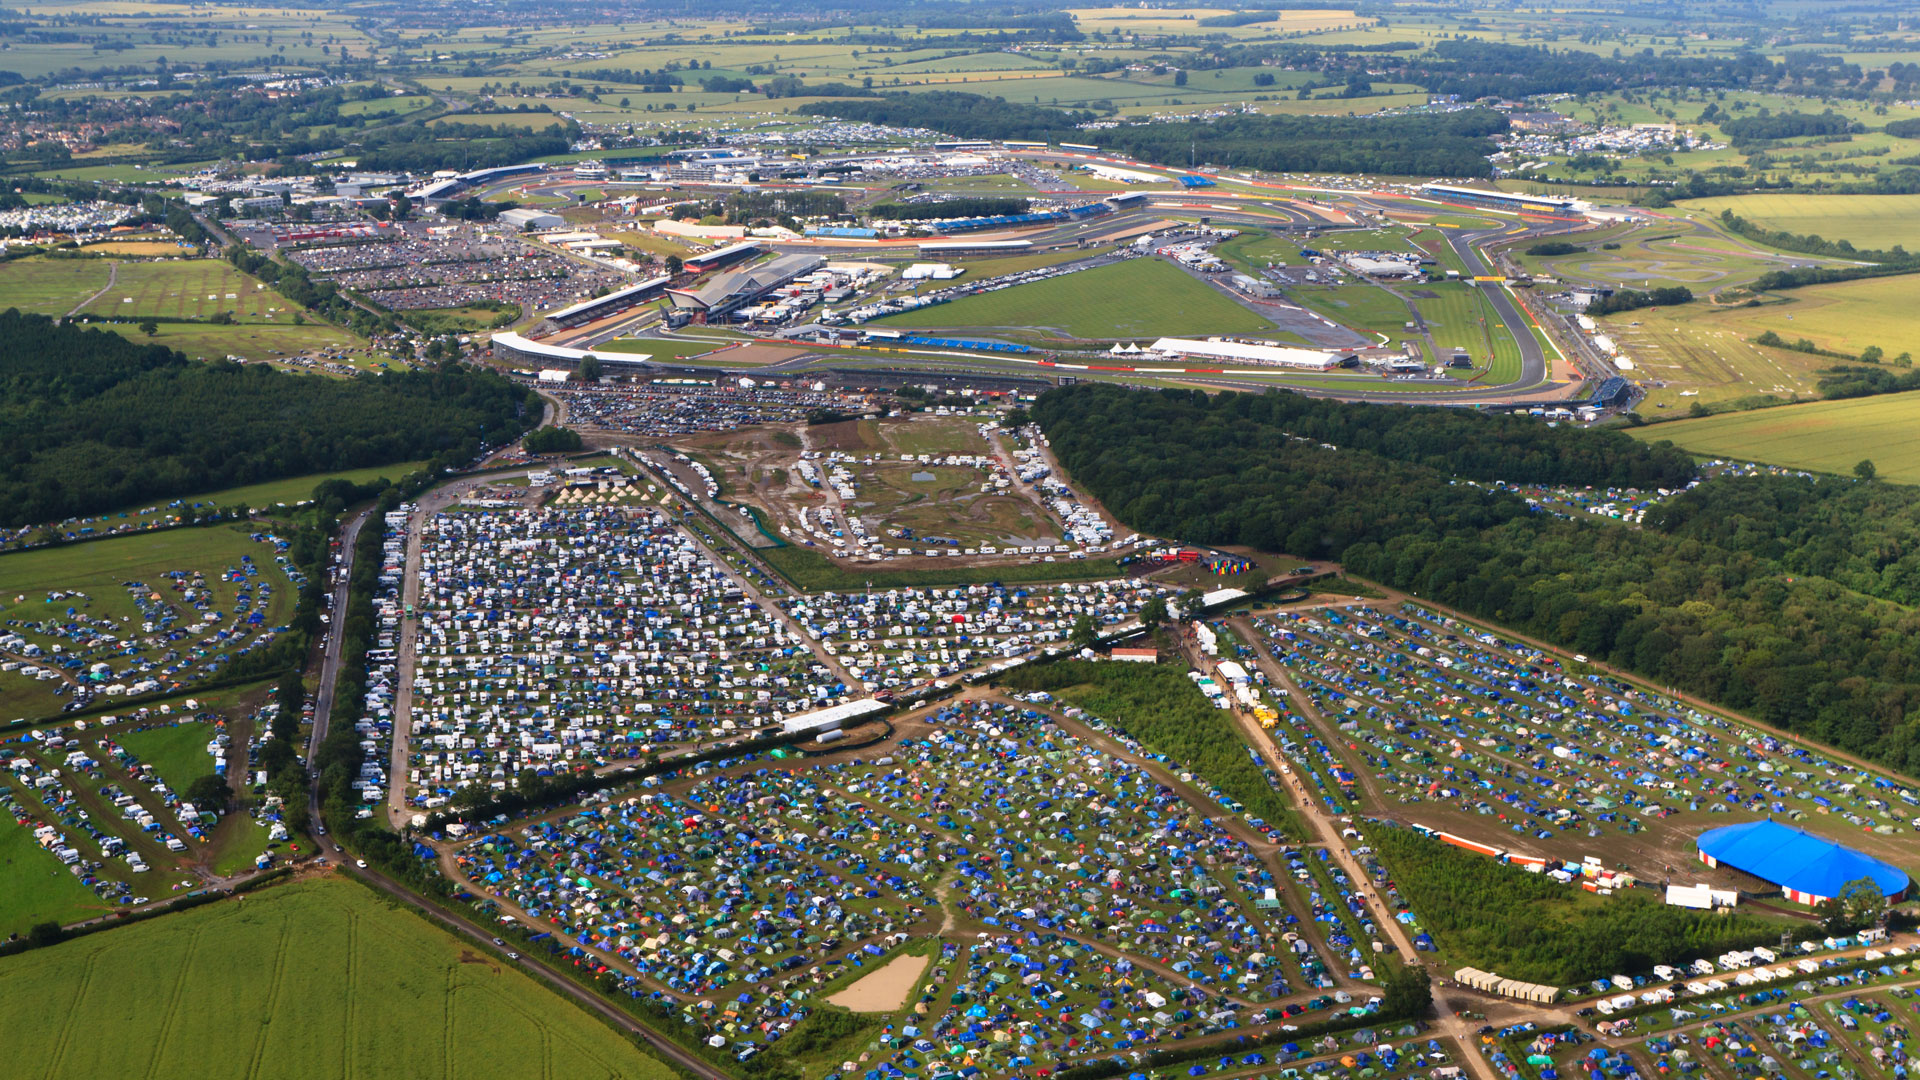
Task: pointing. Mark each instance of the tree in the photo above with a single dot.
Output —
(1860, 904)
(1191, 602)
(1083, 632)
(44, 934)
(149, 327)
(1405, 991)
(1865, 470)
(210, 792)
(1872, 354)
(1154, 613)
(674, 264)
(1180, 78)
(551, 440)
(1016, 418)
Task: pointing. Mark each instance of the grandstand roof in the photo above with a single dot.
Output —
(1797, 860)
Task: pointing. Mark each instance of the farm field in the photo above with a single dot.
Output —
(1826, 436)
(212, 991)
(1137, 298)
(1866, 221)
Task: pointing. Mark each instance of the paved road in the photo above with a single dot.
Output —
(323, 703)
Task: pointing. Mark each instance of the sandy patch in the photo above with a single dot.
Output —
(884, 990)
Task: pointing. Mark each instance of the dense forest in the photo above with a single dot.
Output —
(1529, 927)
(1780, 596)
(970, 116)
(1428, 144)
(91, 421)
(1158, 705)
(1787, 126)
(1452, 144)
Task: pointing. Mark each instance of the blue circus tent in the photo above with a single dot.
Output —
(1807, 868)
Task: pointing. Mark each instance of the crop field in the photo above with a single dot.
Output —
(1867, 221)
(1827, 436)
(166, 608)
(1137, 298)
(212, 991)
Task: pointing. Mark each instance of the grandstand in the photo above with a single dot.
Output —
(719, 257)
(513, 348)
(1015, 221)
(1807, 868)
(728, 293)
(974, 247)
(1499, 200)
(602, 306)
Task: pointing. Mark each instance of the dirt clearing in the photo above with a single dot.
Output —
(885, 990)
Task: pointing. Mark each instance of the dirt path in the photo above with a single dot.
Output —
(113, 274)
(1326, 831)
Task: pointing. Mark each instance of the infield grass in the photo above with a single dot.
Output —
(1137, 298)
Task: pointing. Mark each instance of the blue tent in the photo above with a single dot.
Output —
(1809, 866)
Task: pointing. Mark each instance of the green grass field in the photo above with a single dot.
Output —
(188, 289)
(178, 753)
(321, 979)
(1827, 436)
(1137, 298)
(50, 286)
(101, 570)
(1367, 308)
(38, 889)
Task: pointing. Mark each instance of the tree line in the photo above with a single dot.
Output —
(1765, 594)
(1634, 299)
(91, 421)
(1158, 705)
(1453, 144)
